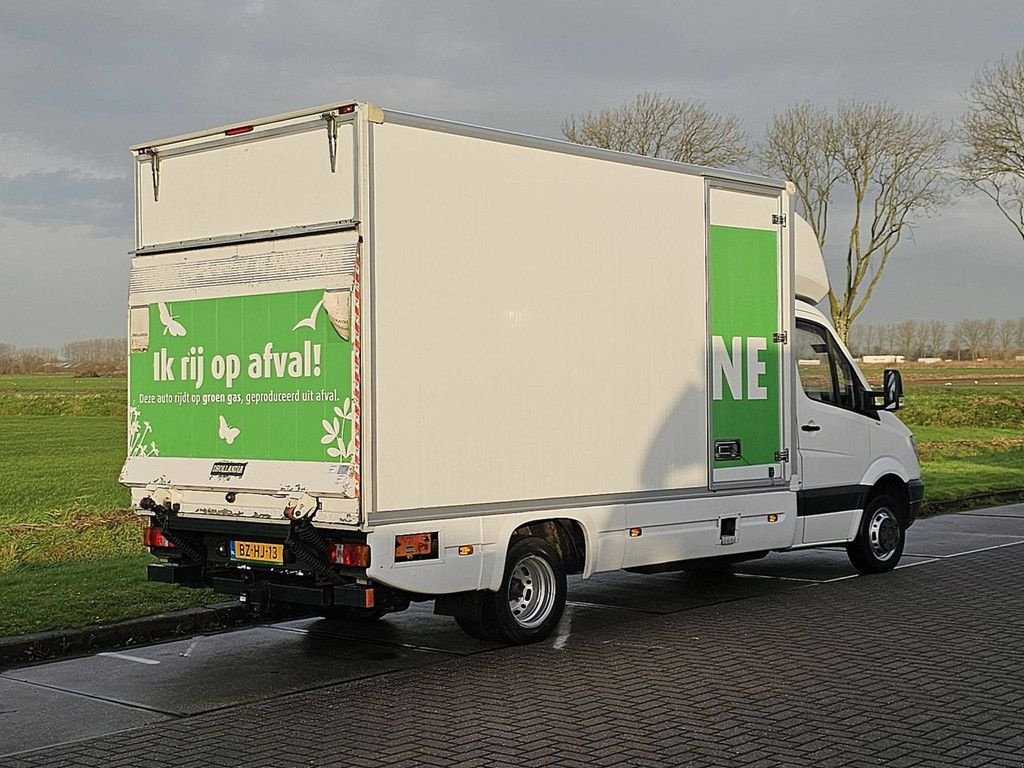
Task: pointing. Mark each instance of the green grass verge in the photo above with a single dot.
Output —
(75, 594)
(47, 395)
(967, 467)
(55, 464)
(971, 438)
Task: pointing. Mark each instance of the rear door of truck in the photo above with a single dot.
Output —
(243, 370)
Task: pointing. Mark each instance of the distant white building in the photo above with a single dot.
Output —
(884, 359)
(929, 359)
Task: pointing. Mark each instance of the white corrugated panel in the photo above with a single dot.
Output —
(250, 184)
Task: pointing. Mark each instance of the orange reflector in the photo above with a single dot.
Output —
(634, 532)
(466, 549)
(773, 518)
(238, 131)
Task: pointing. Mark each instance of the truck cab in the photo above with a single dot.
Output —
(852, 448)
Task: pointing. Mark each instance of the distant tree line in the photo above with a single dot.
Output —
(963, 340)
(87, 356)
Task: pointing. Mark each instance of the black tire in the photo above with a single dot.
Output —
(880, 538)
(480, 630)
(529, 604)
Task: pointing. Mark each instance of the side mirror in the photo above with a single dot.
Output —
(891, 396)
(892, 390)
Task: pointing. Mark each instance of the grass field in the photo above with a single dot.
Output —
(70, 547)
(969, 424)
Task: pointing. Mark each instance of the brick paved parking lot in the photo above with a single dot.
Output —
(923, 666)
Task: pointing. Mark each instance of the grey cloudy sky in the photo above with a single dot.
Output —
(83, 80)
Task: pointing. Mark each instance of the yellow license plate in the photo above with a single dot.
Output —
(257, 552)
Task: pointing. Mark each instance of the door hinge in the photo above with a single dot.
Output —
(782, 337)
(782, 455)
(154, 165)
(332, 138)
(779, 218)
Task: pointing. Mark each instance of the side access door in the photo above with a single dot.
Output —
(747, 295)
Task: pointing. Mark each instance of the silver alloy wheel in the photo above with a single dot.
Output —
(531, 591)
(883, 534)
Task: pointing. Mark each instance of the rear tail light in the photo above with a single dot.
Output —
(350, 555)
(152, 536)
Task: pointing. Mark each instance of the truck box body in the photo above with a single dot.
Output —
(385, 321)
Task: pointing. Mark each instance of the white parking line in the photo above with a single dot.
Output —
(564, 635)
(188, 651)
(126, 657)
(986, 549)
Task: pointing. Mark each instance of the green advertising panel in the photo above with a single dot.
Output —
(744, 359)
(249, 377)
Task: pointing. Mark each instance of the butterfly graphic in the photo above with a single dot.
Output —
(171, 324)
(227, 434)
(309, 322)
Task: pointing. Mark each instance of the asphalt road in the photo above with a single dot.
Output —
(792, 660)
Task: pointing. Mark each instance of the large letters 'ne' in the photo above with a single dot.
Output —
(730, 367)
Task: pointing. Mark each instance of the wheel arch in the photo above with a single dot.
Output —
(569, 536)
(893, 485)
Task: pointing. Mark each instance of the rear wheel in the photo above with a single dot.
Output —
(481, 630)
(881, 537)
(529, 603)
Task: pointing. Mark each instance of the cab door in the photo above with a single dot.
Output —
(833, 433)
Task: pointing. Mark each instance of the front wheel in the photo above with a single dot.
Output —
(881, 537)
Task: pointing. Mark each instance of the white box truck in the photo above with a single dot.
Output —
(378, 358)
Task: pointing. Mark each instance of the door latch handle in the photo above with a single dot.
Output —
(810, 428)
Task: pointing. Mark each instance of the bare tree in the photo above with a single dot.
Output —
(109, 351)
(34, 359)
(973, 333)
(889, 164)
(992, 131)
(1006, 337)
(886, 339)
(935, 338)
(906, 338)
(855, 342)
(869, 339)
(989, 329)
(8, 357)
(661, 126)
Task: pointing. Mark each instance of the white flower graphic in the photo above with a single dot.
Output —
(335, 431)
(138, 431)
